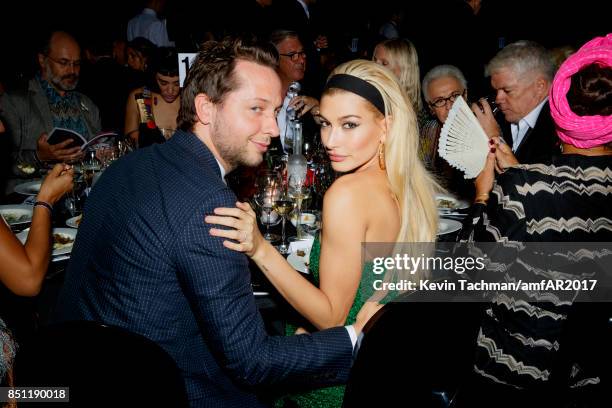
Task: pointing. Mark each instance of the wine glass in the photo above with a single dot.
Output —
(299, 191)
(107, 155)
(314, 225)
(72, 200)
(89, 166)
(283, 206)
(268, 184)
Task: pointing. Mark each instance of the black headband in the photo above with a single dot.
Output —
(359, 87)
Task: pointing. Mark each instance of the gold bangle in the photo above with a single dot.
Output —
(483, 200)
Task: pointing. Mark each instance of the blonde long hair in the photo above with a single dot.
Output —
(412, 185)
(402, 53)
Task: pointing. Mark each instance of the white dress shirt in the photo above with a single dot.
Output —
(223, 172)
(528, 122)
(286, 131)
(148, 25)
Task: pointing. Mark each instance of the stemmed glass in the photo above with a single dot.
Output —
(269, 186)
(299, 191)
(72, 201)
(313, 227)
(283, 206)
(108, 154)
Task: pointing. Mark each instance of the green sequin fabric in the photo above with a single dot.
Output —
(329, 397)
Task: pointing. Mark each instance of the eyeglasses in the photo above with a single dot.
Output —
(440, 102)
(295, 56)
(65, 62)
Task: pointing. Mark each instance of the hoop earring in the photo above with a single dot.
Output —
(381, 157)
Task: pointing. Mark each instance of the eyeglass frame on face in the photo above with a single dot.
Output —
(295, 56)
(65, 62)
(441, 102)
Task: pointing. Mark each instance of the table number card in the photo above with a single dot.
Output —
(185, 61)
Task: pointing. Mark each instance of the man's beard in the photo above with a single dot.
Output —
(234, 156)
(60, 82)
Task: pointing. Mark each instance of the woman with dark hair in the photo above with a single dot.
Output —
(151, 114)
(138, 55)
(567, 201)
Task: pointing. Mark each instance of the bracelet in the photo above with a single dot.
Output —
(44, 204)
(483, 200)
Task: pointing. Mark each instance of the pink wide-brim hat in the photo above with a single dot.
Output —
(581, 131)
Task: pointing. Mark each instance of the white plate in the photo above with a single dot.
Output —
(29, 188)
(299, 263)
(305, 218)
(446, 226)
(21, 214)
(71, 232)
(454, 203)
(74, 221)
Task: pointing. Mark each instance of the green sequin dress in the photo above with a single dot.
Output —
(329, 397)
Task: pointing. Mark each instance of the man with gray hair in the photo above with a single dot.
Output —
(291, 68)
(521, 75)
(441, 86)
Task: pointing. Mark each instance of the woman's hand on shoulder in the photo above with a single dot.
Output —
(243, 235)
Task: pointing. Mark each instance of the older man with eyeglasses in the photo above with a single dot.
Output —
(441, 86)
(49, 101)
(291, 68)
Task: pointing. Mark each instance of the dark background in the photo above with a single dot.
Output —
(436, 27)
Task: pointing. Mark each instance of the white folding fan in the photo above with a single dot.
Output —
(463, 143)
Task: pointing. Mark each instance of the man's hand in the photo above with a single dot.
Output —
(303, 104)
(486, 119)
(321, 42)
(57, 152)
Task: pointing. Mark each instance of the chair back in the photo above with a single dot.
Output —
(102, 365)
(414, 354)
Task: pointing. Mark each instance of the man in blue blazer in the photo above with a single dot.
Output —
(144, 259)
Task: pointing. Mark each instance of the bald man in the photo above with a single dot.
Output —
(49, 101)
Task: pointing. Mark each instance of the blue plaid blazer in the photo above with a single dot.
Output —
(144, 260)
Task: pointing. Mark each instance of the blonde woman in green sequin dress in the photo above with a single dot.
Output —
(385, 194)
